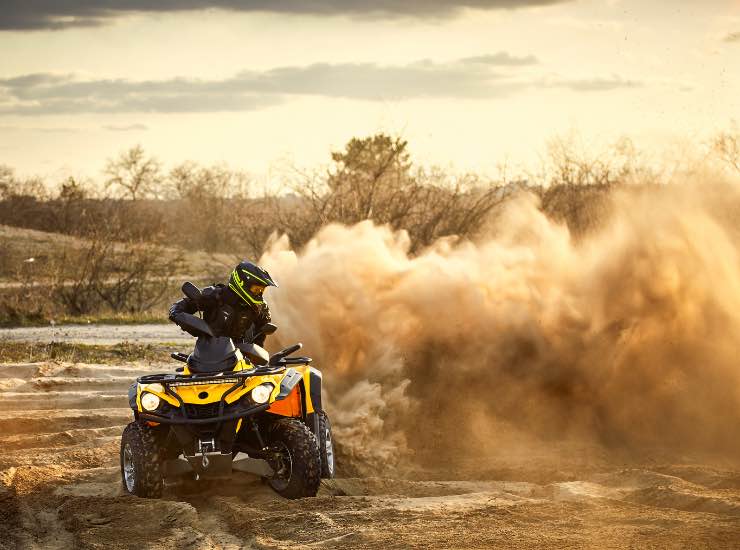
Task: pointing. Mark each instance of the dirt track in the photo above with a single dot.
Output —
(98, 334)
(60, 488)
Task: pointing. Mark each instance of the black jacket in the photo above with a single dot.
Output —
(225, 314)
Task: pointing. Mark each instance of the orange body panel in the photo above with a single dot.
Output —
(290, 406)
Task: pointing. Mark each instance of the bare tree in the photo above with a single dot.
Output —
(11, 186)
(727, 147)
(374, 178)
(570, 164)
(189, 180)
(214, 203)
(7, 181)
(576, 184)
(121, 276)
(134, 174)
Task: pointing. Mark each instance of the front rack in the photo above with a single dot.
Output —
(219, 378)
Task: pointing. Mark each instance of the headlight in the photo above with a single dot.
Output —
(261, 393)
(149, 401)
(157, 387)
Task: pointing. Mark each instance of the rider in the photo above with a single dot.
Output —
(236, 310)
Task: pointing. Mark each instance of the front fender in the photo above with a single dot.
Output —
(132, 391)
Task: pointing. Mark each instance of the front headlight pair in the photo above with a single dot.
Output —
(260, 394)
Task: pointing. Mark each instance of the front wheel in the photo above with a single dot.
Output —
(295, 458)
(141, 464)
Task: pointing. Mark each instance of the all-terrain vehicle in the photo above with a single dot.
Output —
(228, 409)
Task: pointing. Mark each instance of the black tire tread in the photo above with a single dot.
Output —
(306, 459)
(147, 460)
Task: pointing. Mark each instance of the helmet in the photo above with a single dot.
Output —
(248, 281)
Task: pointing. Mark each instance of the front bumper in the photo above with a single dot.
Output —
(179, 416)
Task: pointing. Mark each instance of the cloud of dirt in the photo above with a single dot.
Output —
(627, 338)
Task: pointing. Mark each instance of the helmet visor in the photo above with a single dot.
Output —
(256, 291)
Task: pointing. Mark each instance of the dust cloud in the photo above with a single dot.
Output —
(627, 338)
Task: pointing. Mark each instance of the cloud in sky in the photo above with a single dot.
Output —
(598, 84)
(501, 59)
(43, 130)
(480, 77)
(126, 127)
(63, 14)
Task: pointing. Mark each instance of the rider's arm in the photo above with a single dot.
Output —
(209, 298)
(183, 305)
(262, 319)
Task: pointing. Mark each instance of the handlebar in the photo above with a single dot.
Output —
(295, 360)
(281, 356)
(287, 351)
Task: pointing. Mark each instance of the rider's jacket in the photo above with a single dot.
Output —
(225, 314)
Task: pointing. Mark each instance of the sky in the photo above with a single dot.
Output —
(259, 85)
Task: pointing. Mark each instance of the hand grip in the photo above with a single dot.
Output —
(191, 291)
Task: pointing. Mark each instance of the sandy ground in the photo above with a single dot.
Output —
(60, 488)
(98, 334)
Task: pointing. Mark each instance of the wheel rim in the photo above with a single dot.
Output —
(329, 450)
(129, 471)
(284, 468)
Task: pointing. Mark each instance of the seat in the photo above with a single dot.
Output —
(212, 355)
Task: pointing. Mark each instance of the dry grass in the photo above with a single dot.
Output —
(32, 352)
(18, 244)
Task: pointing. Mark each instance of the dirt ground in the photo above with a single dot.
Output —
(99, 334)
(60, 488)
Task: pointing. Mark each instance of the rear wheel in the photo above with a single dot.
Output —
(326, 445)
(141, 462)
(295, 458)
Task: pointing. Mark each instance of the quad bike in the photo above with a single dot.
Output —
(228, 409)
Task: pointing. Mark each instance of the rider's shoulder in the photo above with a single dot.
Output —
(213, 292)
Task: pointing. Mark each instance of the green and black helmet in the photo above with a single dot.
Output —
(248, 281)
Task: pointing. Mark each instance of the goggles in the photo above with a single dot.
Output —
(256, 290)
